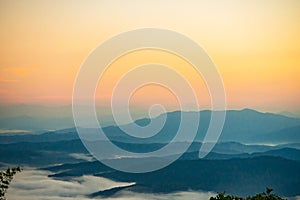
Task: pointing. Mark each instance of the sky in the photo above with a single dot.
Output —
(255, 45)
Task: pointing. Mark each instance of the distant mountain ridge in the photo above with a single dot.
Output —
(50, 153)
(238, 156)
(235, 176)
(245, 126)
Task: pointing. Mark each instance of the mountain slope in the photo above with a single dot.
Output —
(235, 176)
(246, 126)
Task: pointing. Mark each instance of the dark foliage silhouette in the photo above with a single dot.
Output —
(261, 196)
(5, 179)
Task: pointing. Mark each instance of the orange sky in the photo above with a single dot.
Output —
(255, 45)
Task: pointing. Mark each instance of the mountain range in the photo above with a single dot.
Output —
(242, 162)
(244, 126)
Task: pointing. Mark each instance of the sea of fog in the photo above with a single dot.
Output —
(36, 185)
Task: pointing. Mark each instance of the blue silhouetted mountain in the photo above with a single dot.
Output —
(231, 166)
(287, 153)
(235, 176)
(246, 126)
(286, 135)
(70, 151)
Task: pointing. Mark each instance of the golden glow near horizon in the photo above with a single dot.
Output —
(255, 45)
(152, 93)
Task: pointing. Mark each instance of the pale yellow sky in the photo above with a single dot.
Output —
(254, 43)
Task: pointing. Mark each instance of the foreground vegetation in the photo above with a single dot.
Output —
(5, 179)
(261, 196)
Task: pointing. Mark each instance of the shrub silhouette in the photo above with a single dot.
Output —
(261, 196)
(5, 179)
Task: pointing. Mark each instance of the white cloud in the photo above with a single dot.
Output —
(10, 131)
(82, 156)
(35, 185)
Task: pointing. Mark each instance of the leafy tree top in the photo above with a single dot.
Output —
(5, 179)
(261, 196)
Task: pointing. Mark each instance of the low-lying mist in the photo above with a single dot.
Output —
(36, 185)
